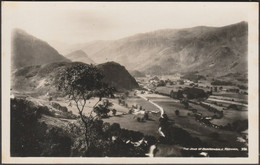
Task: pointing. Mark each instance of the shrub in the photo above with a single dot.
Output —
(146, 116)
(45, 110)
(50, 99)
(177, 112)
(130, 111)
(138, 119)
(114, 111)
(101, 111)
(233, 106)
(32, 138)
(57, 143)
(59, 107)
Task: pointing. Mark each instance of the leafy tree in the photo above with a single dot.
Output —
(80, 82)
(103, 110)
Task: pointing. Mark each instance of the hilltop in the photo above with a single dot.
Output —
(28, 50)
(79, 56)
(117, 76)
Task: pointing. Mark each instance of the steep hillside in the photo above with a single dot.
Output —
(40, 79)
(209, 50)
(28, 50)
(80, 56)
(117, 76)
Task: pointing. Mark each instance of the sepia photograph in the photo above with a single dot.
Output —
(130, 82)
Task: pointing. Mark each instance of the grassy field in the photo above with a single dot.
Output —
(150, 127)
(197, 129)
(231, 95)
(127, 121)
(201, 110)
(141, 102)
(167, 89)
(231, 116)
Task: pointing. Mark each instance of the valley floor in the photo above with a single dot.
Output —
(156, 105)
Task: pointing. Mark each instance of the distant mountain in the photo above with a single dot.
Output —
(28, 50)
(136, 73)
(208, 50)
(40, 79)
(79, 56)
(117, 76)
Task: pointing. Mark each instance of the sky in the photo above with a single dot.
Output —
(82, 22)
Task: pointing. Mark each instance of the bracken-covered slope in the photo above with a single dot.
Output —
(209, 50)
(40, 79)
(79, 56)
(28, 50)
(117, 76)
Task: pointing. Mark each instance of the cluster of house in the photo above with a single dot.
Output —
(178, 85)
(221, 88)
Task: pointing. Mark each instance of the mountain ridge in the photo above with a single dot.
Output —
(27, 50)
(166, 51)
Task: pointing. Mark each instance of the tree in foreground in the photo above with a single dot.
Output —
(80, 82)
